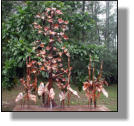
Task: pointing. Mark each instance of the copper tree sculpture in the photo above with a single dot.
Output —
(94, 86)
(66, 89)
(52, 27)
(28, 85)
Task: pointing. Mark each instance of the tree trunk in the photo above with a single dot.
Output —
(92, 8)
(50, 80)
(107, 25)
(96, 22)
(83, 32)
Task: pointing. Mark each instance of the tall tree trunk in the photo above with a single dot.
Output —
(92, 8)
(96, 22)
(83, 8)
(107, 25)
(83, 32)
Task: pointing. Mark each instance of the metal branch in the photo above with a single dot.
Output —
(89, 68)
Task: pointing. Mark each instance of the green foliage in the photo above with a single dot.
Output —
(16, 44)
(80, 60)
(110, 66)
(18, 35)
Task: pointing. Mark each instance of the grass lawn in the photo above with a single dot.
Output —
(8, 98)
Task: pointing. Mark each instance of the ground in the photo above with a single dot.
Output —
(58, 108)
(8, 98)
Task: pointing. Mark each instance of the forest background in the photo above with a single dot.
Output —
(92, 30)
